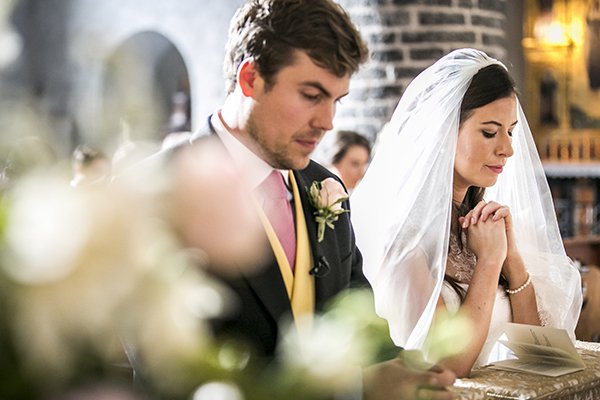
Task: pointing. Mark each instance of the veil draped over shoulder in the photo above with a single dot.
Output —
(402, 208)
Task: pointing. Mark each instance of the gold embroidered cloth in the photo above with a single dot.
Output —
(488, 383)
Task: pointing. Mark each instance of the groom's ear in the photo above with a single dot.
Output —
(249, 78)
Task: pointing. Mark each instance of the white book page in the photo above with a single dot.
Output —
(540, 350)
(536, 367)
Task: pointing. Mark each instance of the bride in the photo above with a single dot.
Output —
(455, 213)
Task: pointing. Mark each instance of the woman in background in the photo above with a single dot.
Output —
(351, 155)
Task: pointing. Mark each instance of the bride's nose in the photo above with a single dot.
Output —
(504, 148)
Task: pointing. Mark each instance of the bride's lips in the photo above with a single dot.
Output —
(497, 169)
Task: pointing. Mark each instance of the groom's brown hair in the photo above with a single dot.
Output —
(269, 31)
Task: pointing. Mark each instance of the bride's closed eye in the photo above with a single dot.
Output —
(487, 134)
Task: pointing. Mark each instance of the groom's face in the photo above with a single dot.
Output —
(289, 118)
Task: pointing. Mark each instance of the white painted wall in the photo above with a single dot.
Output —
(198, 29)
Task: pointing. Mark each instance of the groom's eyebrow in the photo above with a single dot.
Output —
(318, 86)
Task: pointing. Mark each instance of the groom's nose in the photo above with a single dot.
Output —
(323, 118)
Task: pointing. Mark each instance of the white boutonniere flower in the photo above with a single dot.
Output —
(327, 197)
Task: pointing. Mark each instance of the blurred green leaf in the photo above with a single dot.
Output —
(448, 336)
(3, 218)
(357, 307)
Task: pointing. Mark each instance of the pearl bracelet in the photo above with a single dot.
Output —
(523, 286)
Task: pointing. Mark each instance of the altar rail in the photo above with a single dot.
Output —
(488, 383)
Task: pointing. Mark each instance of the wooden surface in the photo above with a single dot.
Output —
(586, 249)
(588, 327)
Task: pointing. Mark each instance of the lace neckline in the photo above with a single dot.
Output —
(461, 262)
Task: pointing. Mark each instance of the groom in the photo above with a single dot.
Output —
(288, 63)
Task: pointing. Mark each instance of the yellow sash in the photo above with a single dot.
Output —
(300, 285)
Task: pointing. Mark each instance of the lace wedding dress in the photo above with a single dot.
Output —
(461, 263)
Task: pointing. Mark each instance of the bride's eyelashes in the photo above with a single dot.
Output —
(490, 135)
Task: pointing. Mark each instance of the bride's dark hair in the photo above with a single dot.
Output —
(489, 84)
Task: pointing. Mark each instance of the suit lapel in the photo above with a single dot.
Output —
(269, 287)
(325, 254)
(311, 225)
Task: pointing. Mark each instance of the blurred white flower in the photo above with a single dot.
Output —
(327, 356)
(10, 42)
(166, 321)
(70, 251)
(11, 45)
(218, 391)
(212, 210)
(89, 268)
(41, 207)
(96, 264)
(448, 336)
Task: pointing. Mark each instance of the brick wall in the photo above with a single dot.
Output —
(406, 36)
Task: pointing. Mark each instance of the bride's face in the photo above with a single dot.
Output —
(484, 144)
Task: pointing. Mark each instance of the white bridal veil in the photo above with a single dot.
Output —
(401, 209)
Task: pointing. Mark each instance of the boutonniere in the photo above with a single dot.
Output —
(327, 197)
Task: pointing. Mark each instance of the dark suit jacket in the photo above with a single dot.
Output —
(262, 296)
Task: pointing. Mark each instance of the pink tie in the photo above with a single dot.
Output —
(279, 211)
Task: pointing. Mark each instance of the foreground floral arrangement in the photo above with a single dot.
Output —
(97, 279)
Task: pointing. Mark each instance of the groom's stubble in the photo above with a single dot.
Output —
(278, 156)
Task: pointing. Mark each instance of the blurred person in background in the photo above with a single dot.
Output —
(89, 166)
(351, 155)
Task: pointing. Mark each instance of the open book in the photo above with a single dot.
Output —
(539, 350)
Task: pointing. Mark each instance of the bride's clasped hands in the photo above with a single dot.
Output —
(513, 267)
(489, 229)
(487, 232)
